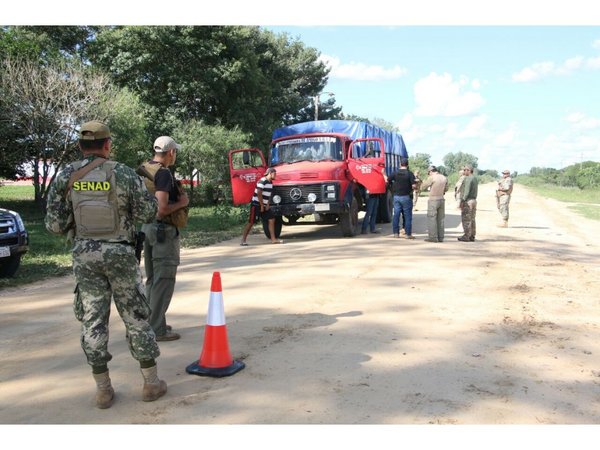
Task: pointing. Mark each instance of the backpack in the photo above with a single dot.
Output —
(93, 191)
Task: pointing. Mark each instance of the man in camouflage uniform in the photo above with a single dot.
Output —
(468, 204)
(98, 202)
(503, 193)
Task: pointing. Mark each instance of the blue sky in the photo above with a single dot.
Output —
(515, 83)
(514, 96)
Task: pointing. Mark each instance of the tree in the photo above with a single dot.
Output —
(589, 175)
(455, 161)
(46, 44)
(221, 75)
(47, 103)
(420, 161)
(204, 150)
(382, 123)
(42, 46)
(124, 112)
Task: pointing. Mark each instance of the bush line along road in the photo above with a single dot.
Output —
(504, 330)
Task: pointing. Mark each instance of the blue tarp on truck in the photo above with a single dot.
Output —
(393, 142)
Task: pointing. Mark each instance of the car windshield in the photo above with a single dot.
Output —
(319, 148)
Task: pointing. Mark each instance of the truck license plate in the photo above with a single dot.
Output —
(4, 252)
(322, 207)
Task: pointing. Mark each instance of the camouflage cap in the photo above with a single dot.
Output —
(165, 143)
(94, 130)
(506, 171)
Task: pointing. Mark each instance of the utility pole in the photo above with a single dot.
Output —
(316, 100)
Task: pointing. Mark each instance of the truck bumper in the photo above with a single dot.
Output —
(305, 209)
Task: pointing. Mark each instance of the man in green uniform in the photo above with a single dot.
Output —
(468, 204)
(98, 202)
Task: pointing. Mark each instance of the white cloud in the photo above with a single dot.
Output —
(581, 122)
(506, 138)
(593, 63)
(534, 72)
(596, 44)
(361, 71)
(548, 68)
(440, 95)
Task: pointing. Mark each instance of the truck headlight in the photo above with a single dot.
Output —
(277, 199)
(312, 197)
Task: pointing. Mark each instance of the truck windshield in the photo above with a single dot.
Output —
(319, 148)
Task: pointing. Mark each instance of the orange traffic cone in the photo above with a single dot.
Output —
(215, 359)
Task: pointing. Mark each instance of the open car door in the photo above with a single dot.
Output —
(246, 167)
(366, 162)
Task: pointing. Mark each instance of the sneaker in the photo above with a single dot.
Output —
(464, 239)
(410, 236)
(396, 235)
(402, 232)
(168, 336)
(244, 244)
(375, 232)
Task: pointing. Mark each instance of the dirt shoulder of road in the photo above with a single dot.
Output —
(368, 330)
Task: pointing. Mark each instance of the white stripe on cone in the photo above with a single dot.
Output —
(216, 310)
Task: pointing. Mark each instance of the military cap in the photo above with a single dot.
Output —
(94, 130)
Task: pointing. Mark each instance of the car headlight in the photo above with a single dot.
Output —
(277, 199)
(312, 197)
(20, 224)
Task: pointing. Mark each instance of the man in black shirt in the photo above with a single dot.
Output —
(402, 183)
(161, 246)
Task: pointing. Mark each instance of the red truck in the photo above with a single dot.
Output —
(324, 169)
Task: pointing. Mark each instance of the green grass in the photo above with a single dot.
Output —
(586, 202)
(50, 255)
(587, 211)
(567, 194)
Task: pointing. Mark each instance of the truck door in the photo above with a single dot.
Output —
(366, 162)
(246, 167)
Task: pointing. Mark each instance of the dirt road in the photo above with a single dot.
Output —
(369, 330)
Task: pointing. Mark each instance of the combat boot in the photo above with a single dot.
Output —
(153, 387)
(104, 392)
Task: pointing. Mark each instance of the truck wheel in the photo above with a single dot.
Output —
(278, 224)
(9, 266)
(349, 220)
(386, 207)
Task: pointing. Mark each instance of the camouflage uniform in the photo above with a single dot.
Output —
(503, 193)
(107, 268)
(468, 197)
(457, 188)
